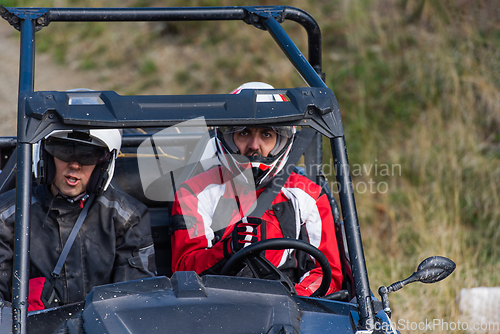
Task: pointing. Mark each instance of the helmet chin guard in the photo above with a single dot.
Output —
(255, 170)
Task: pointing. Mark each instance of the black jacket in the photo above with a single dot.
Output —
(114, 243)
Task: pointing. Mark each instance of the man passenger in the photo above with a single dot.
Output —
(114, 243)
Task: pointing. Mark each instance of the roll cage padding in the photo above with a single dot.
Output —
(51, 110)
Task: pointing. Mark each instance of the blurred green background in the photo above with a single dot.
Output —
(419, 88)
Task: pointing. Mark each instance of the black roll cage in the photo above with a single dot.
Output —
(41, 112)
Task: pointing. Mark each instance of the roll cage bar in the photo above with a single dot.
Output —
(41, 112)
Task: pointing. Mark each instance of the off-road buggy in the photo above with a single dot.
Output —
(166, 140)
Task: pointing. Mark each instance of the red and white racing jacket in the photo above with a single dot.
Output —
(206, 208)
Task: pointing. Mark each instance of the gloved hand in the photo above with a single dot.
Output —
(245, 233)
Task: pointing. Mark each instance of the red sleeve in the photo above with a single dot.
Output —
(311, 280)
(192, 254)
(191, 247)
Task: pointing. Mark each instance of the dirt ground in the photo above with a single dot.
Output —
(49, 76)
(9, 72)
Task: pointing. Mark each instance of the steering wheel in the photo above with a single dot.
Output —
(255, 249)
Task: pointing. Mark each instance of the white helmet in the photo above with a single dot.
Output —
(88, 147)
(260, 97)
(263, 168)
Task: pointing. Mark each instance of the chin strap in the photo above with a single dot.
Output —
(82, 197)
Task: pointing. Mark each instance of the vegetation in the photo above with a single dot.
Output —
(418, 85)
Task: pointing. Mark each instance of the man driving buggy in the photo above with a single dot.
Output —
(83, 232)
(210, 221)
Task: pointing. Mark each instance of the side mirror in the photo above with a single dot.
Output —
(431, 270)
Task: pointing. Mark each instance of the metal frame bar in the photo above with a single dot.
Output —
(23, 186)
(31, 20)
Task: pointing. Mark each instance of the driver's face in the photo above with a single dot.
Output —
(255, 140)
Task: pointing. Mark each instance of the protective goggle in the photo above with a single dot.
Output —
(70, 151)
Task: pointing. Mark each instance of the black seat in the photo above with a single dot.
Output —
(126, 178)
(160, 222)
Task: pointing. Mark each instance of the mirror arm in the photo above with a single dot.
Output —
(383, 292)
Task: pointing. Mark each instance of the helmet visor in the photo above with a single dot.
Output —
(70, 151)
